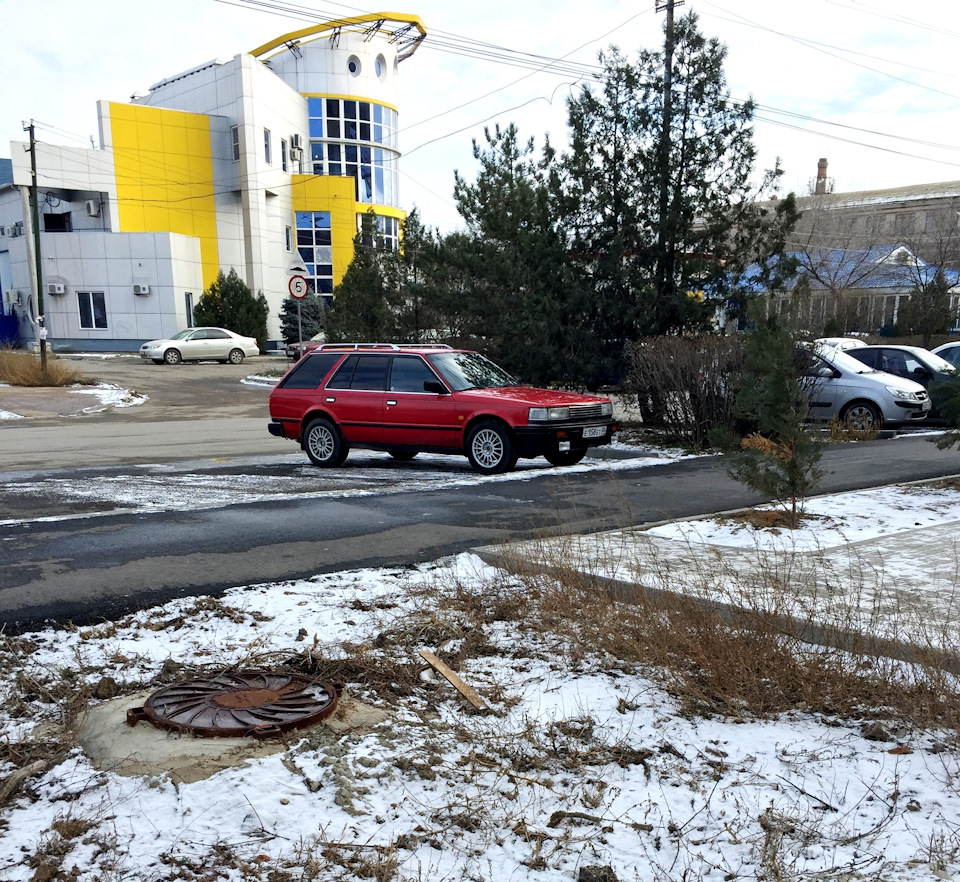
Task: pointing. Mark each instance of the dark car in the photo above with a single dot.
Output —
(295, 350)
(407, 399)
(909, 362)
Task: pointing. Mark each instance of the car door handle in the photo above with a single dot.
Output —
(391, 401)
(331, 399)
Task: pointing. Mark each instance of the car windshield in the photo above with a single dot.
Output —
(470, 370)
(182, 334)
(934, 362)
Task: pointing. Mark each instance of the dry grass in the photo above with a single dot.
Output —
(19, 368)
(841, 431)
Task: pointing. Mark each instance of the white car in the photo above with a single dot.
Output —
(949, 352)
(840, 386)
(840, 343)
(200, 344)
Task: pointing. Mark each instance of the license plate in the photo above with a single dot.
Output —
(594, 431)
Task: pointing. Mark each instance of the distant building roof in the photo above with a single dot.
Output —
(882, 266)
(6, 171)
(912, 193)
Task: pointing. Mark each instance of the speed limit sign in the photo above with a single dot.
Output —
(298, 287)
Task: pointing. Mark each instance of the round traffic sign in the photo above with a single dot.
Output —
(298, 287)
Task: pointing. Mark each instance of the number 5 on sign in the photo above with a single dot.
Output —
(298, 287)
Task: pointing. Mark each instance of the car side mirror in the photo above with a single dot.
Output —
(434, 386)
(922, 372)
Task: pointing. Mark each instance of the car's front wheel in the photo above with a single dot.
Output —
(490, 448)
(324, 444)
(235, 356)
(172, 356)
(862, 416)
(565, 457)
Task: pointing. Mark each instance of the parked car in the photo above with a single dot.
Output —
(911, 362)
(840, 386)
(295, 350)
(407, 399)
(949, 352)
(841, 343)
(200, 344)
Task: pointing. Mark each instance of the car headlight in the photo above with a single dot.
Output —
(897, 392)
(606, 409)
(539, 414)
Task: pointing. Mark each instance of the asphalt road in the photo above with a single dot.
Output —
(101, 561)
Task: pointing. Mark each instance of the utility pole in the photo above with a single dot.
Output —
(37, 264)
(665, 238)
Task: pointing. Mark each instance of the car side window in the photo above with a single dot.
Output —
(309, 372)
(409, 373)
(870, 357)
(216, 334)
(341, 379)
(198, 335)
(371, 373)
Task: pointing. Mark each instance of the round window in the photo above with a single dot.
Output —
(353, 65)
(380, 66)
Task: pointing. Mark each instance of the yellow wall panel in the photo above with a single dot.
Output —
(164, 171)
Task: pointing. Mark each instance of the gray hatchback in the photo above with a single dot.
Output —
(840, 386)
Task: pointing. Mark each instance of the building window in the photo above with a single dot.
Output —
(315, 247)
(289, 237)
(266, 147)
(235, 138)
(188, 305)
(283, 154)
(57, 223)
(388, 232)
(93, 309)
(356, 138)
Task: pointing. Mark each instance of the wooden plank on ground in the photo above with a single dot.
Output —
(468, 692)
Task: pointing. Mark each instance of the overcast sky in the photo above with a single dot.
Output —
(873, 86)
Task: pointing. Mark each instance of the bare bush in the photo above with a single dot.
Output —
(684, 386)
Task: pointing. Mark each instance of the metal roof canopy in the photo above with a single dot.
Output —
(407, 41)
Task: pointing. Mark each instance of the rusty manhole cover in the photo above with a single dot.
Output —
(255, 703)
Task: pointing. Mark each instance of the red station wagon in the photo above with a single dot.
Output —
(404, 399)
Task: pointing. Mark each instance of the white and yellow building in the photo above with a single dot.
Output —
(254, 164)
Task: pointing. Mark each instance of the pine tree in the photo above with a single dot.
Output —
(313, 310)
(230, 304)
(781, 458)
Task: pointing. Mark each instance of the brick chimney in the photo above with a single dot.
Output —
(821, 186)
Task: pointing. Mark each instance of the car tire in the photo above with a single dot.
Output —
(862, 416)
(172, 356)
(565, 457)
(490, 448)
(324, 444)
(235, 356)
(403, 455)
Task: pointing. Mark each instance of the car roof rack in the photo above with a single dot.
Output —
(390, 347)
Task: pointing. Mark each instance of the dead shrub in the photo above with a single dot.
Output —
(684, 386)
(20, 368)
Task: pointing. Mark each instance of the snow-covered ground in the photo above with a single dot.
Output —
(580, 761)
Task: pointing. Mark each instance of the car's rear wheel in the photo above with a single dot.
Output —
(403, 455)
(324, 444)
(172, 356)
(565, 457)
(862, 416)
(490, 448)
(235, 356)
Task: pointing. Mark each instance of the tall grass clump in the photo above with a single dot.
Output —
(20, 368)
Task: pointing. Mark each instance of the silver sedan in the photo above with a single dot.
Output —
(200, 344)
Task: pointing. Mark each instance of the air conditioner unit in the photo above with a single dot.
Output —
(56, 288)
(296, 142)
(93, 207)
(141, 289)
